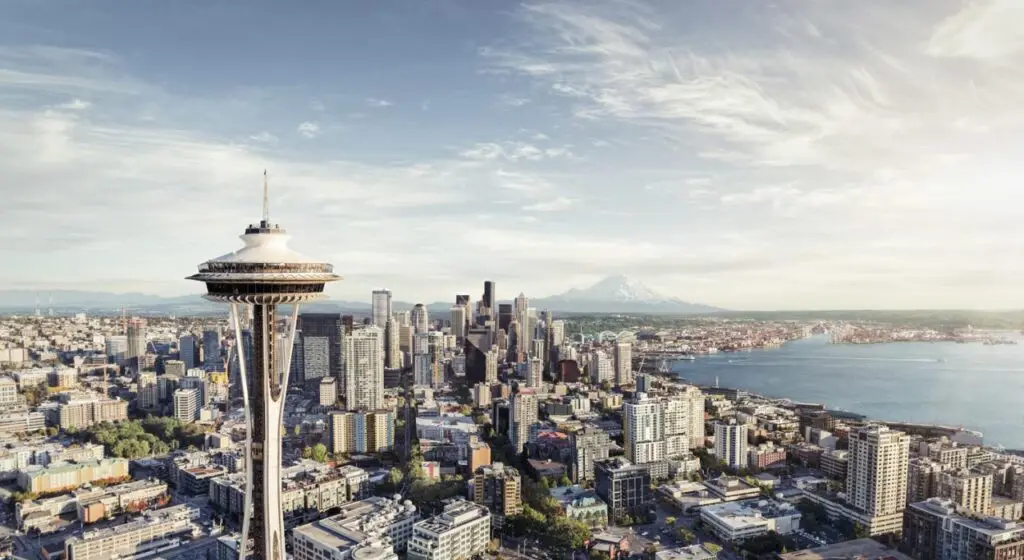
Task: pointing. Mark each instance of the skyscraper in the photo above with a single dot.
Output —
(523, 408)
(475, 346)
(419, 319)
(643, 429)
(731, 443)
(211, 349)
(136, 340)
(504, 316)
(263, 274)
(188, 351)
(321, 335)
(623, 363)
(876, 476)
(459, 322)
(392, 348)
(364, 369)
(380, 305)
(490, 296)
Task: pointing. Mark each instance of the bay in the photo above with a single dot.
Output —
(972, 385)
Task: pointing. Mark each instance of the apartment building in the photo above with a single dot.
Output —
(462, 531)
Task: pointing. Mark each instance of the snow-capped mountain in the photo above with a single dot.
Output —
(618, 294)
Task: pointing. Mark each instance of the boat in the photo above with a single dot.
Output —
(687, 357)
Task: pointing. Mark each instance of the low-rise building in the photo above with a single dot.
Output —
(582, 504)
(380, 526)
(153, 532)
(739, 521)
(68, 476)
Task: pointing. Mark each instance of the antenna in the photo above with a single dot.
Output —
(266, 201)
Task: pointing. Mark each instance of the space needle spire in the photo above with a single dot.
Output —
(261, 275)
(266, 201)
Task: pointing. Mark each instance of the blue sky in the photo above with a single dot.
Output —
(794, 154)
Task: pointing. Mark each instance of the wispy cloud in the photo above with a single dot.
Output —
(375, 102)
(264, 137)
(75, 105)
(309, 129)
(514, 151)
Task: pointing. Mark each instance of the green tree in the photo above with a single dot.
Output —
(319, 453)
(564, 481)
(670, 520)
(307, 452)
(567, 534)
(395, 477)
(687, 535)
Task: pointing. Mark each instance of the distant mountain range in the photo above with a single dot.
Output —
(615, 294)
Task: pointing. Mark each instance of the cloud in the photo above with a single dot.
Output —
(988, 29)
(791, 154)
(309, 129)
(556, 204)
(375, 102)
(513, 151)
(265, 137)
(75, 105)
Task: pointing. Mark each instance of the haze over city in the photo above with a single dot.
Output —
(787, 155)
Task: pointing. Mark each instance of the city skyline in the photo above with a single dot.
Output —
(795, 156)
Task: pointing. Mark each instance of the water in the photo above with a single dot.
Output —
(971, 385)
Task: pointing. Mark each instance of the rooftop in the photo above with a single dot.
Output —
(860, 549)
(749, 512)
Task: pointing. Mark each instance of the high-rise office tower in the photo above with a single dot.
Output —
(364, 369)
(136, 339)
(426, 361)
(188, 351)
(876, 476)
(557, 333)
(459, 321)
(116, 347)
(263, 274)
(420, 321)
(523, 409)
(505, 316)
(475, 346)
(623, 363)
(381, 307)
(321, 335)
(211, 349)
(490, 296)
(643, 429)
(392, 347)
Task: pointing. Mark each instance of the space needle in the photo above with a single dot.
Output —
(262, 275)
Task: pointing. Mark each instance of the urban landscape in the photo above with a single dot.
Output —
(526, 280)
(490, 430)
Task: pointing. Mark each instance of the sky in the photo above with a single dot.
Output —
(795, 154)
